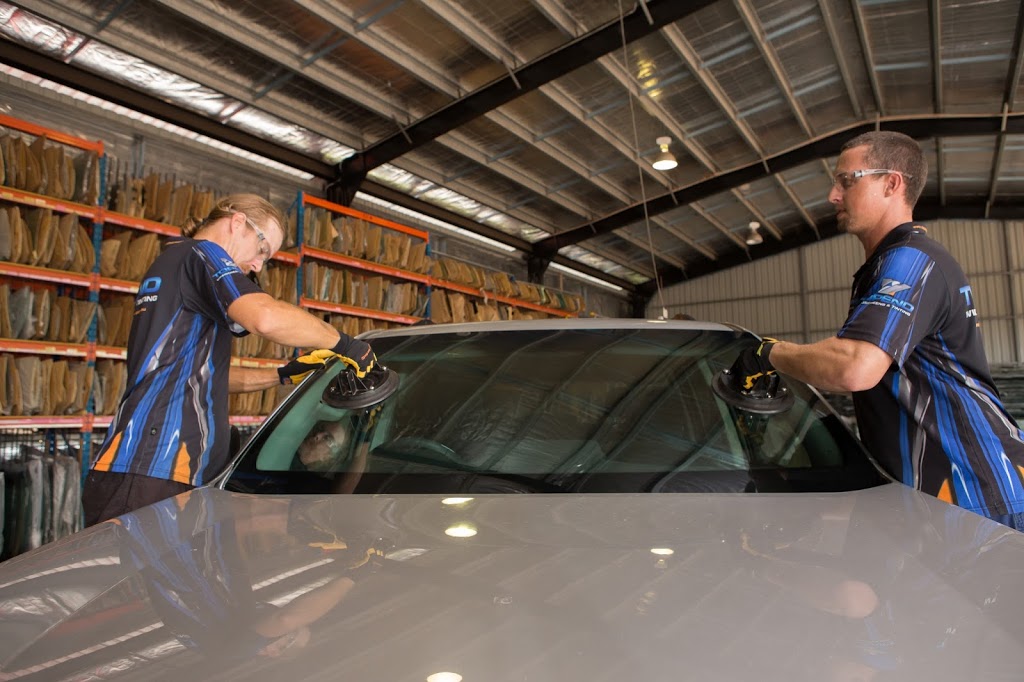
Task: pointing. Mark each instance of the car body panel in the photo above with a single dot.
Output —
(665, 537)
(834, 586)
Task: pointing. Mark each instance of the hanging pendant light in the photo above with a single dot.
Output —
(754, 237)
(664, 160)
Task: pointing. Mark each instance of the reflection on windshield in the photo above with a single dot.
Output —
(595, 410)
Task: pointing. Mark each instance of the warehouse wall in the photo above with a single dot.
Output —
(803, 295)
(130, 143)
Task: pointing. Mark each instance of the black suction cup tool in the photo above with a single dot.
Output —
(349, 392)
(769, 395)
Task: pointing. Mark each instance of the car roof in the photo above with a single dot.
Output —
(553, 324)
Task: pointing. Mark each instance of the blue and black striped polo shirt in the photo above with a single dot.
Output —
(935, 421)
(172, 422)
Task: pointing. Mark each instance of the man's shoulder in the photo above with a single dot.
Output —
(913, 241)
(920, 240)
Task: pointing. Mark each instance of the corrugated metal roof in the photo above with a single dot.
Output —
(731, 84)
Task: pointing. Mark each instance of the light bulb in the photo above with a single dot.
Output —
(754, 237)
(664, 160)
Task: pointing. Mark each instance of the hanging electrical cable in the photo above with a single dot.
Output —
(639, 162)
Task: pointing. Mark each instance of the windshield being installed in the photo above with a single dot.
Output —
(552, 410)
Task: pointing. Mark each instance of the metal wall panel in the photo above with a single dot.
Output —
(776, 275)
(998, 336)
(767, 297)
(762, 296)
(1015, 258)
(978, 245)
(991, 296)
(770, 316)
(831, 263)
(1015, 244)
(826, 310)
(1017, 297)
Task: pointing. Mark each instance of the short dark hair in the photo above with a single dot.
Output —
(895, 151)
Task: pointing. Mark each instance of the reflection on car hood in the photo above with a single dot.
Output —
(878, 584)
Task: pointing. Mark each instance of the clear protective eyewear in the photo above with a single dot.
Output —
(324, 437)
(264, 246)
(845, 181)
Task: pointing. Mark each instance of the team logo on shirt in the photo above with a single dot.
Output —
(969, 300)
(886, 297)
(148, 291)
(890, 287)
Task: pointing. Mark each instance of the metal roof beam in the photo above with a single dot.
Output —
(1013, 75)
(818, 148)
(844, 68)
(557, 63)
(440, 213)
(338, 17)
(1009, 95)
(690, 241)
(40, 64)
(43, 65)
(924, 211)
(244, 32)
(997, 162)
(685, 51)
(493, 47)
(237, 28)
(771, 59)
(638, 242)
(717, 224)
(181, 65)
(434, 76)
(869, 60)
(935, 21)
(796, 202)
(646, 269)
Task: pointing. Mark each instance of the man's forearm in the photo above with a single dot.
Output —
(833, 364)
(245, 379)
(282, 322)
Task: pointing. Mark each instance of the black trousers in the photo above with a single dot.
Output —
(107, 495)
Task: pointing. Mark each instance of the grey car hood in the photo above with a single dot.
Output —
(880, 584)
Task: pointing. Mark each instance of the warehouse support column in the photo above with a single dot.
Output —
(536, 267)
(348, 178)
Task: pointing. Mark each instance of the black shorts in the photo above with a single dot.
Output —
(107, 495)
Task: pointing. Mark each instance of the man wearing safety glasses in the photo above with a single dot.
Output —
(911, 349)
(170, 432)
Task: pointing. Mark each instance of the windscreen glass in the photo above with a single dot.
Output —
(595, 410)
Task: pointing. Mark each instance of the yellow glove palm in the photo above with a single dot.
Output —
(299, 368)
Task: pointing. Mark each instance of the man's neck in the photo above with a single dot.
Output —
(871, 240)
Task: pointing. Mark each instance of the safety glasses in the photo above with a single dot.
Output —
(264, 245)
(845, 181)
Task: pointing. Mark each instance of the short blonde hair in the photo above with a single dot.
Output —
(258, 209)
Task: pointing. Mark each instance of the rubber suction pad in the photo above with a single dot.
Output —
(349, 392)
(771, 397)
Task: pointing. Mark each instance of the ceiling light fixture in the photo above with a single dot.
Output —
(664, 160)
(754, 237)
(584, 276)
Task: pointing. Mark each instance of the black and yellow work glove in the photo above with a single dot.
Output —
(752, 365)
(365, 423)
(367, 557)
(356, 354)
(296, 370)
